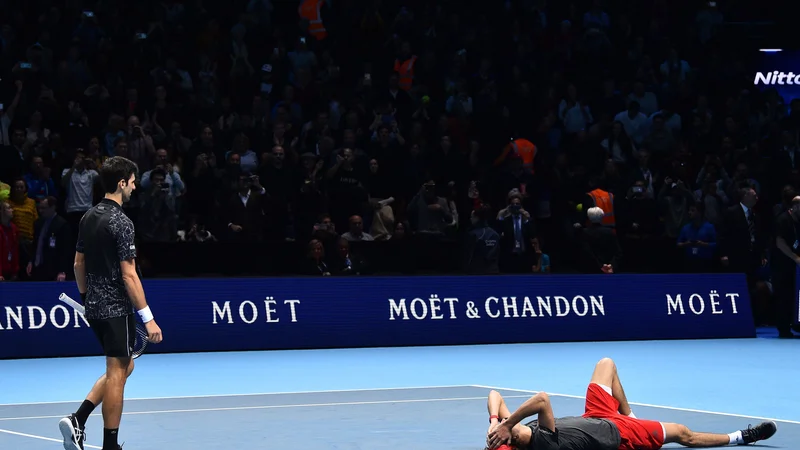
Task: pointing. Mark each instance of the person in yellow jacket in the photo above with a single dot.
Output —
(25, 212)
(25, 215)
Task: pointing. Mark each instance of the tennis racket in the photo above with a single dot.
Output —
(141, 333)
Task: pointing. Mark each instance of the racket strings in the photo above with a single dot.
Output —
(141, 342)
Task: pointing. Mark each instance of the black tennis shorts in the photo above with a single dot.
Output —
(117, 335)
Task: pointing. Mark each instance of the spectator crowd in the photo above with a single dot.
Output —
(576, 136)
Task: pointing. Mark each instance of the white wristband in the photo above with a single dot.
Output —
(145, 314)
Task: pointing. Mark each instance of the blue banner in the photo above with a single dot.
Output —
(199, 315)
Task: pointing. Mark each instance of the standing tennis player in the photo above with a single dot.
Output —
(109, 284)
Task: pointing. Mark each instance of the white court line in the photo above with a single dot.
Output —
(303, 405)
(672, 408)
(333, 391)
(33, 436)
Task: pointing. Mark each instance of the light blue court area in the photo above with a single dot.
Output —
(399, 398)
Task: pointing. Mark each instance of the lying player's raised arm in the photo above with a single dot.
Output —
(538, 405)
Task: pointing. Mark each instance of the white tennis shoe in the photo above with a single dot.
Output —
(74, 436)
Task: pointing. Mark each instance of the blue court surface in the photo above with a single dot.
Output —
(399, 398)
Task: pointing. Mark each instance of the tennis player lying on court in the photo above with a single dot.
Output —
(608, 423)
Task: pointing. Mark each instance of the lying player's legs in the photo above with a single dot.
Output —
(681, 434)
(605, 374)
(686, 437)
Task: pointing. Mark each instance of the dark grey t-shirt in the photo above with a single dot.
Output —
(106, 237)
(575, 433)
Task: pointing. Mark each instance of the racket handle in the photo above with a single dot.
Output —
(69, 301)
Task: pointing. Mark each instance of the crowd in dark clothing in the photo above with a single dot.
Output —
(500, 125)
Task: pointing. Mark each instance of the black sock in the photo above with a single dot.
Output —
(84, 412)
(110, 439)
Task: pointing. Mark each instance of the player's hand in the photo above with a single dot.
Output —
(492, 427)
(499, 436)
(153, 332)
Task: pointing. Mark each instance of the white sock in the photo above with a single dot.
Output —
(736, 438)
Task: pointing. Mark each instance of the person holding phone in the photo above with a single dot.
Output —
(639, 212)
(698, 240)
(517, 230)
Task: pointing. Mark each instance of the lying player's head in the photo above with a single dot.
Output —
(117, 176)
(520, 439)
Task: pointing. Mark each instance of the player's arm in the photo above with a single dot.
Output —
(126, 251)
(79, 267)
(133, 285)
(538, 405)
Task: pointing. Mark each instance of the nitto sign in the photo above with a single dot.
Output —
(777, 78)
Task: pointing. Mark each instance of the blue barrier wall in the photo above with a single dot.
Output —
(303, 313)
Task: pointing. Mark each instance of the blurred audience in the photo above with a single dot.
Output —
(399, 132)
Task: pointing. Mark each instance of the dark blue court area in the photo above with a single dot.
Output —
(413, 418)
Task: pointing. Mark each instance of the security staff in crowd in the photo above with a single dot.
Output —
(483, 244)
(785, 260)
(52, 245)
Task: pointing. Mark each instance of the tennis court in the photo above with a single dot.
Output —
(360, 402)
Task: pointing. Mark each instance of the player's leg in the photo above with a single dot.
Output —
(681, 434)
(98, 391)
(119, 364)
(116, 339)
(605, 374)
(117, 369)
(95, 396)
